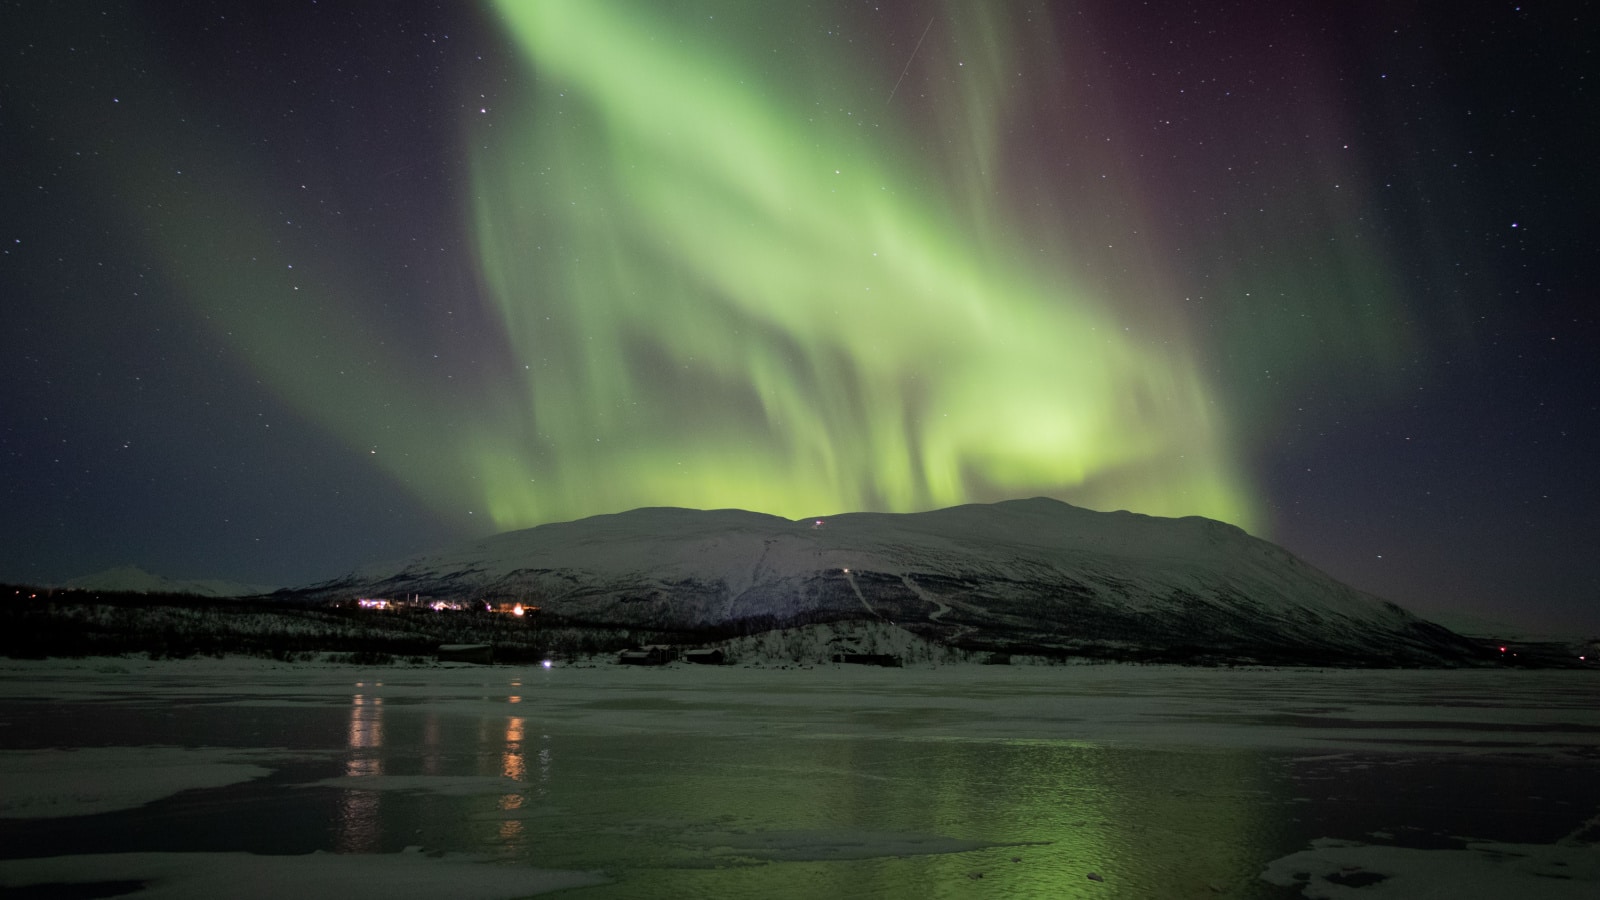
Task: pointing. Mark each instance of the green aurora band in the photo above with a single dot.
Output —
(717, 267)
(727, 290)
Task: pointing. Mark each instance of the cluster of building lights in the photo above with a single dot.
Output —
(510, 609)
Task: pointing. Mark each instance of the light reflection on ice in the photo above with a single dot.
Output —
(511, 761)
(358, 826)
(432, 756)
(513, 766)
(366, 721)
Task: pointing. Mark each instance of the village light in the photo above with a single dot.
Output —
(547, 664)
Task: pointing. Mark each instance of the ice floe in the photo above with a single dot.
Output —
(38, 784)
(246, 876)
(1334, 869)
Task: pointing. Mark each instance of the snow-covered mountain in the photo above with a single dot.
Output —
(134, 580)
(1025, 576)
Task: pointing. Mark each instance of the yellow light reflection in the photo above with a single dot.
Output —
(512, 764)
(358, 826)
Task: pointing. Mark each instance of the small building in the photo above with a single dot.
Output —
(706, 656)
(654, 655)
(467, 653)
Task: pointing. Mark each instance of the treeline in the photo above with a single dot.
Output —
(38, 623)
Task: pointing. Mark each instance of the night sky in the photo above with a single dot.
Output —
(287, 287)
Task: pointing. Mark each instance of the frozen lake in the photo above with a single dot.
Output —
(193, 777)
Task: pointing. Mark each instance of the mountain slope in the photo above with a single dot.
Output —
(1026, 575)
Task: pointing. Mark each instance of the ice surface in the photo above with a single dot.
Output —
(797, 782)
(244, 876)
(823, 845)
(447, 785)
(37, 784)
(1448, 711)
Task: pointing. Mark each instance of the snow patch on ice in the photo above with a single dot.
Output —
(245, 876)
(1334, 869)
(41, 784)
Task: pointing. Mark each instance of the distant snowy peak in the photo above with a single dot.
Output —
(1496, 629)
(1036, 573)
(1002, 530)
(134, 580)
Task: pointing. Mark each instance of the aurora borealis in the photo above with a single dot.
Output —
(303, 286)
(726, 301)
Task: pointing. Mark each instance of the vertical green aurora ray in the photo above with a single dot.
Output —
(729, 293)
(1311, 300)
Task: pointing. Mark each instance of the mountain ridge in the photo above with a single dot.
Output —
(1035, 575)
(133, 579)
